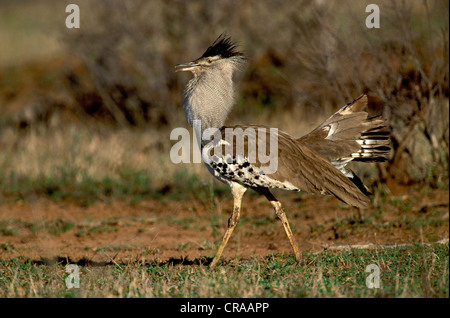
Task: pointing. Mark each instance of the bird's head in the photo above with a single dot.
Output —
(222, 54)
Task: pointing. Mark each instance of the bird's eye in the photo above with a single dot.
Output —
(210, 61)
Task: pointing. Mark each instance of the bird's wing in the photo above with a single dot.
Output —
(350, 134)
(313, 173)
(298, 166)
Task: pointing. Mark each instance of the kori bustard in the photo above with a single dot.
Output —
(314, 163)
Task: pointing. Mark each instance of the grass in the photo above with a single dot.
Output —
(13, 226)
(413, 271)
(83, 189)
(83, 165)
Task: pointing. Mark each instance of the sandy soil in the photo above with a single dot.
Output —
(155, 231)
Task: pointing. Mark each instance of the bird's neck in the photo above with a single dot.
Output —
(209, 97)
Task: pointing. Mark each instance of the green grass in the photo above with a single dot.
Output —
(414, 271)
(13, 226)
(83, 189)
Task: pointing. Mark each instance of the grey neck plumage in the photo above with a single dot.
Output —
(209, 97)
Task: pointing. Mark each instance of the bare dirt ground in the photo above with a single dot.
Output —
(152, 230)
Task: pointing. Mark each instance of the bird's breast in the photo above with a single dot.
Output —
(238, 168)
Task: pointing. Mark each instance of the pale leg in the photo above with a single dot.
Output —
(279, 210)
(238, 191)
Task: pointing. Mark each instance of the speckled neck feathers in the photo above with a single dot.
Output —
(209, 97)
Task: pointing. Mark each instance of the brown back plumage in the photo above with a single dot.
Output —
(311, 172)
(304, 168)
(315, 163)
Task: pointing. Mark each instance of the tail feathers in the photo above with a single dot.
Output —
(350, 134)
(358, 182)
(374, 143)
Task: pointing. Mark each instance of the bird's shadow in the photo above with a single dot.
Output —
(173, 261)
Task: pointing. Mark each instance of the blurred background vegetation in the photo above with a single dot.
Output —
(90, 110)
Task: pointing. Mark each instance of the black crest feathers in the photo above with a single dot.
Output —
(222, 46)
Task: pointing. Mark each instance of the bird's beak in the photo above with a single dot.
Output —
(186, 66)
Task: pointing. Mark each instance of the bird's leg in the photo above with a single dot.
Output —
(279, 210)
(238, 191)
